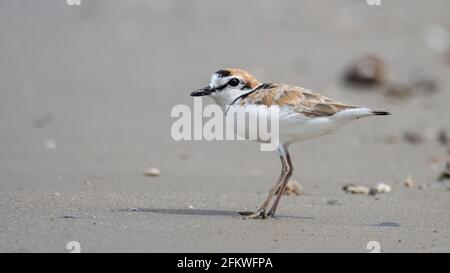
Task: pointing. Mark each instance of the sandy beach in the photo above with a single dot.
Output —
(86, 94)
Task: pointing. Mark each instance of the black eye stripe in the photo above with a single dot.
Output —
(218, 88)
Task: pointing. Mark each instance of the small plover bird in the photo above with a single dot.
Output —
(303, 114)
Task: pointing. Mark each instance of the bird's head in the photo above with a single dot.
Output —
(228, 84)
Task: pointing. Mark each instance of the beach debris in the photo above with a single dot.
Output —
(191, 207)
(152, 171)
(292, 187)
(353, 189)
(369, 70)
(50, 144)
(133, 209)
(56, 194)
(422, 187)
(409, 182)
(413, 138)
(382, 188)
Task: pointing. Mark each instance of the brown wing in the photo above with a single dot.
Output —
(300, 100)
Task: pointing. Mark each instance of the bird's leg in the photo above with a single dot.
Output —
(261, 212)
(282, 186)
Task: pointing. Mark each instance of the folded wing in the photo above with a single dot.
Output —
(300, 100)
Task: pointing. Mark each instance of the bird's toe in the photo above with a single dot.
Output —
(256, 215)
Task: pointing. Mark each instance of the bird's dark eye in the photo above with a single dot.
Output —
(234, 82)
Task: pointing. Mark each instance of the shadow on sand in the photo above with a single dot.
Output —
(199, 212)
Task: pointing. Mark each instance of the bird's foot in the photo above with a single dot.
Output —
(271, 214)
(260, 214)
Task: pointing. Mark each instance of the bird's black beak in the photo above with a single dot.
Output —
(202, 92)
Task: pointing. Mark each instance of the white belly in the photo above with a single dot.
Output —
(293, 127)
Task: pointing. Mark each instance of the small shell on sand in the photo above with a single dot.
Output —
(354, 189)
(408, 182)
(350, 188)
(293, 187)
(369, 70)
(152, 172)
(383, 188)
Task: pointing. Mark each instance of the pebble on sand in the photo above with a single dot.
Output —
(383, 188)
(369, 70)
(293, 187)
(152, 172)
(409, 182)
(351, 188)
(354, 189)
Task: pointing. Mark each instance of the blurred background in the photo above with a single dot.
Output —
(85, 98)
